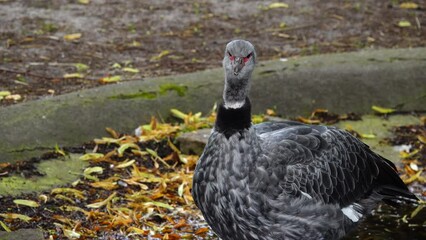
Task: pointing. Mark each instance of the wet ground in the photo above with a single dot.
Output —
(54, 47)
(134, 189)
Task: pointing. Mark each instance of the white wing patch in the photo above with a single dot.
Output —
(351, 212)
(306, 195)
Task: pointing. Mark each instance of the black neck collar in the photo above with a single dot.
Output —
(233, 120)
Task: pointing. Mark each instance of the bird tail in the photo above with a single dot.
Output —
(392, 188)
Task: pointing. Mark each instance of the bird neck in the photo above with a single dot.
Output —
(235, 92)
(232, 120)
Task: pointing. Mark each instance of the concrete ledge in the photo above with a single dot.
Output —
(347, 82)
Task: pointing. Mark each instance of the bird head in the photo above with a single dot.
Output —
(239, 60)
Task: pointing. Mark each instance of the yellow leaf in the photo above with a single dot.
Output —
(76, 193)
(71, 234)
(409, 5)
(159, 204)
(125, 164)
(73, 75)
(5, 93)
(417, 210)
(404, 23)
(160, 55)
(22, 217)
(91, 156)
(107, 184)
(14, 97)
(421, 138)
(81, 67)
(382, 110)
(413, 178)
(102, 203)
(125, 146)
(84, 1)
(88, 172)
(73, 36)
(5, 227)
(405, 155)
(116, 65)
(111, 79)
(367, 136)
(28, 203)
(178, 114)
(131, 70)
(180, 189)
(277, 5)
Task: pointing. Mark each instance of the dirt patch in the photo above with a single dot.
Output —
(153, 38)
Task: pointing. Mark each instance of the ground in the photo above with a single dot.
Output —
(54, 47)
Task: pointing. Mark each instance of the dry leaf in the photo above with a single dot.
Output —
(131, 70)
(382, 110)
(409, 5)
(111, 79)
(72, 37)
(28, 203)
(73, 75)
(160, 55)
(277, 5)
(22, 217)
(91, 156)
(404, 23)
(102, 203)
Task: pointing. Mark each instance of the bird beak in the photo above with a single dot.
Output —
(238, 64)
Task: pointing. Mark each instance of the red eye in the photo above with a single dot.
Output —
(231, 57)
(247, 58)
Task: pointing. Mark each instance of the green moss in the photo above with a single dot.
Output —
(164, 88)
(144, 95)
(55, 172)
(180, 89)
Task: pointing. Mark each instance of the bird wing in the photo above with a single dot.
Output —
(328, 164)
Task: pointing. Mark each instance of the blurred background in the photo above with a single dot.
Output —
(51, 47)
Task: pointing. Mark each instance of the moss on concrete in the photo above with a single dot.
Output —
(57, 172)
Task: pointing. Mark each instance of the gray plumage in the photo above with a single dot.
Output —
(285, 180)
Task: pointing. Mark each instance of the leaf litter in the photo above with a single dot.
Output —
(139, 186)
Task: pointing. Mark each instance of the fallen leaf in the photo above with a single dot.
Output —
(102, 203)
(71, 234)
(111, 79)
(417, 210)
(22, 217)
(421, 138)
(116, 65)
(160, 55)
(91, 156)
(201, 231)
(14, 97)
(28, 203)
(277, 5)
(367, 136)
(81, 67)
(404, 23)
(89, 171)
(5, 93)
(126, 146)
(125, 164)
(159, 204)
(131, 70)
(84, 1)
(5, 227)
(409, 5)
(73, 36)
(382, 110)
(74, 192)
(73, 75)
